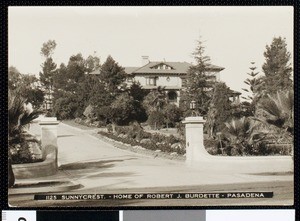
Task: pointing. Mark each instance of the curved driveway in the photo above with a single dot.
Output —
(95, 163)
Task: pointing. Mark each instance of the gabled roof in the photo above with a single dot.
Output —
(176, 68)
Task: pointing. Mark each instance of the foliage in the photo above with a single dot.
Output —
(112, 75)
(277, 67)
(156, 120)
(48, 48)
(155, 101)
(135, 135)
(242, 137)
(20, 115)
(66, 107)
(137, 92)
(279, 110)
(25, 85)
(92, 63)
(219, 110)
(121, 109)
(198, 84)
(48, 67)
(48, 71)
(67, 102)
(172, 115)
(13, 78)
(255, 85)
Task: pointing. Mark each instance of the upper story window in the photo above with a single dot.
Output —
(151, 81)
(162, 67)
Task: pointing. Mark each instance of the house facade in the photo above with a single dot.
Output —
(169, 75)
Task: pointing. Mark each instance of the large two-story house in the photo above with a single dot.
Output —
(169, 75)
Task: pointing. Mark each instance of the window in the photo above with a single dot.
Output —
(162, 67)
(172, 95)
(151, 81)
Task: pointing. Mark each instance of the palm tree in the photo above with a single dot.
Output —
(19, 115)
(243, 135)
(279, 111)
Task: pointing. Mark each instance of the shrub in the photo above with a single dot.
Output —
(134, 134)
(20, 115)
(156, 120)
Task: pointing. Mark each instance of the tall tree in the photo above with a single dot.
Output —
(198, 84)
(67, 83)
(48, 48)
(48, 67)
(254, 90)
(25, 85)
(14, 77)
(219, 110)
(112, 75)
(277, 67)
(92, 63)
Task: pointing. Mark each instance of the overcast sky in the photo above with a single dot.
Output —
(233, 36)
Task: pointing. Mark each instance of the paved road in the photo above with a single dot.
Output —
(96, 163)
(102, 168)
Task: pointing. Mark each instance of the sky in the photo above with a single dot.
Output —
(233, 36)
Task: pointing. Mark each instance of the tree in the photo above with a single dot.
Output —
(277, 67)
(48, 48)
(242, 136)
(171, 114)
(112, 75)
(65, 107)
(255, 87)
(48, 70)
(48, 67)
(138, 94)
(92, 63)
(14, 77)
(198, 84)
(155, 100)
(156, 119)
(219, 109)
(66, 100)
(279, 110)
(26, 86)
(46, 76)
(19, 116)
(121, 108)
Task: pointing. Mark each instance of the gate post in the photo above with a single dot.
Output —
(195, 150)
(49, 135)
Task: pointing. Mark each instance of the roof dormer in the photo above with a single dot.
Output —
(162, 66)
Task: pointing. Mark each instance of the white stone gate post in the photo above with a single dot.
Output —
(195, 150)
(49, 135)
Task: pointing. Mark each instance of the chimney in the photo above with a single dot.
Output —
(145, 60)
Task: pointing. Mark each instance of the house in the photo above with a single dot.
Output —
(169, 75)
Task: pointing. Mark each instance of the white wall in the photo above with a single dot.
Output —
(174, 81)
